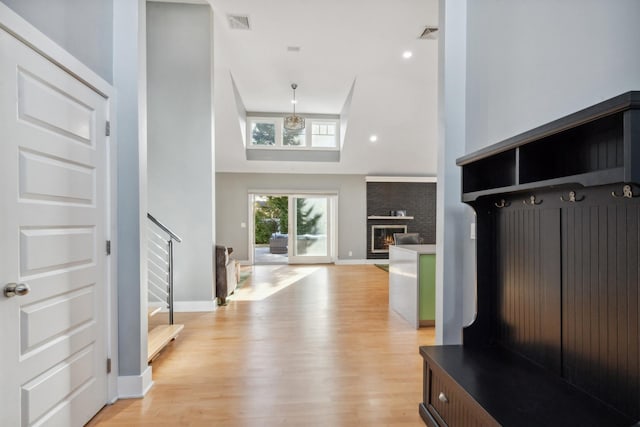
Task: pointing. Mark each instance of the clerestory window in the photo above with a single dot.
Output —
(269, 132)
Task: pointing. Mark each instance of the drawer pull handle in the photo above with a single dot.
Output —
(443, 397)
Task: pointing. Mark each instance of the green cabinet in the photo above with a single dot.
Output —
(427, 294)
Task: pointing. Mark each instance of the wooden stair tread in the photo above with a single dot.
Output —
(159, 337)
(153, 310)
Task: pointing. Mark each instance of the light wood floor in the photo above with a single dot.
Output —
(297, 346)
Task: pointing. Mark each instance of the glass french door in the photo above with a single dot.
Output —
(310, 229)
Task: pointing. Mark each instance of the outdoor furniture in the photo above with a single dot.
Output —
(278, 244)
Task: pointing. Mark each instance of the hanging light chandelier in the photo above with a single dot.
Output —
(294, 122)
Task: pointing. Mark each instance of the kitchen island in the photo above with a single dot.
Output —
(412, 283)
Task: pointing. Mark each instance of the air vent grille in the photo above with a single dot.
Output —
(238, 22)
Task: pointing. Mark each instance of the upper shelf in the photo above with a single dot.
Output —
(594, 146)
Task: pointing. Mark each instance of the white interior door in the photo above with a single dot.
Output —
(52, 237)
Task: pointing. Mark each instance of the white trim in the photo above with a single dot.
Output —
(401, 179)
(396, 217)
(251, 224)
(112, 260)
(180, 1)
(294, 193)
(135, 386)
(194, 306)
(360, 261)
(304, 259)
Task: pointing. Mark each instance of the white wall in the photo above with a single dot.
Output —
(530, 62)
(402, 113)
(453, 292)
(232, 190)
(129, 80)
(381, 104)
(180, 154)
(83, 27)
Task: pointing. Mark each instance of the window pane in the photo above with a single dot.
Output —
(323, 141)
(324, 135)
(263, 133)
(293, 137)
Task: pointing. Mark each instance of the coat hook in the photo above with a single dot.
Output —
(572, 198)
(502, 204)
(627, 193)
(532, 201)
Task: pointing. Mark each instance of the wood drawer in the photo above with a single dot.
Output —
(449, 405)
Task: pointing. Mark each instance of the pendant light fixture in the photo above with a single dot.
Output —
(294, 122)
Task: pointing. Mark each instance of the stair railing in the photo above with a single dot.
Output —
(160, 265)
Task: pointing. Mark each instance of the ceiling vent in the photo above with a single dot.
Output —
(429, 33)
(238, 22)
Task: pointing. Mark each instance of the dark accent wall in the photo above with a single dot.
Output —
(417, 198)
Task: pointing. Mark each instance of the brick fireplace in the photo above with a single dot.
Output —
(382, 236)
(408, 206)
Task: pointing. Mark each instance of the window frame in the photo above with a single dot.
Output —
(279, 133)
(271, 120)
(318, 121)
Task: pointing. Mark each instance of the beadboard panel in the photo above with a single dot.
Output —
(528, 293)
(600, 301)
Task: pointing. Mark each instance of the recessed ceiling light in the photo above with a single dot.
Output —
(407, 54)
(373, 138)
(294, 101)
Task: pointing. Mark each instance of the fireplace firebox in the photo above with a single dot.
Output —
(382, 236)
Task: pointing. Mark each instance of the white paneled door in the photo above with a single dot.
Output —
(53, 165)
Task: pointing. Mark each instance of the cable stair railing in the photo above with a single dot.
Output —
(160, 285)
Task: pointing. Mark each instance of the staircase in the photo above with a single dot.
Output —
(160, 285)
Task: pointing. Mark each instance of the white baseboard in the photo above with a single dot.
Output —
(345, 261)
(361, 261)
(194, 306)
(135, 386)
(245, 262)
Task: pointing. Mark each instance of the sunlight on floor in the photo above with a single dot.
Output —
(267, 280)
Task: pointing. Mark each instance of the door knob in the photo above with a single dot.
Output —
(16, 289)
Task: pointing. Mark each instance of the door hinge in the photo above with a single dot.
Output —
(107, 128)
(108, 366)
(108, 247)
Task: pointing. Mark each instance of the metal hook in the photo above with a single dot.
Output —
(572, 198)
(627, 193)
(502, 204)
(532, 201)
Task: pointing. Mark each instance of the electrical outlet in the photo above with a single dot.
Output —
(350, 253)
(243, 225)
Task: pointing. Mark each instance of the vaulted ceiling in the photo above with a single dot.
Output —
(329, 47)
